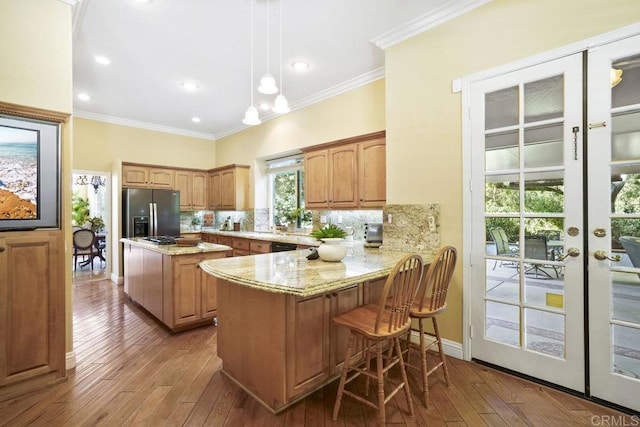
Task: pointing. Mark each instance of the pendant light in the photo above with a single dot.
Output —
(251, 116)
(280, 105)
(267, 82)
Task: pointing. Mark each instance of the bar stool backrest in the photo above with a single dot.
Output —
(432, 295)
(398, 294)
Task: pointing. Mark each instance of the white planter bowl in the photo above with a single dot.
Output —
(332, 250)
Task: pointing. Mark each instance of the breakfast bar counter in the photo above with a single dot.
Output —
(275, 335)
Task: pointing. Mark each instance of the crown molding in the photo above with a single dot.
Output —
(343, 87)
(79, 7)
(143, 125)
(439, 16)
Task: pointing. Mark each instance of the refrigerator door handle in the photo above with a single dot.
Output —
(155, 219)
(152, 220)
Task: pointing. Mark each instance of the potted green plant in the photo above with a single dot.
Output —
(80, 209)
(292, 217)
(97, 223)
(196, 221)
(331, 248)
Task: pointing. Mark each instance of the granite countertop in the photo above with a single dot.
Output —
(291, 273)
(257, 235)
(202, 247)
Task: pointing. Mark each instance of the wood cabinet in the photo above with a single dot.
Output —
(142, 176)
(174, 289)
(315, 346)
(192, 186)
(372, 173)
(303, 350)
(241, 246)
(229, 188)
(257, 247)
(32, 325)
(346, 174)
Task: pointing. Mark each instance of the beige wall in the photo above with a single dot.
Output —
(424, 127)
(98, 144)
(36, 71)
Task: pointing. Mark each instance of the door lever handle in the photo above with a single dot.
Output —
(602, 255)
(573, 252)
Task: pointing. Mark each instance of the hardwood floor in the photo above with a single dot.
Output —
(131, 371)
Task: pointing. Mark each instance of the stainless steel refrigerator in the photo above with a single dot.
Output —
(150, 212)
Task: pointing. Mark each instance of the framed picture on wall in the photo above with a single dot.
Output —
(29, 174)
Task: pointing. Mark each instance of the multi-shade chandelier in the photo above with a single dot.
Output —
(267, 82)
(95, 181)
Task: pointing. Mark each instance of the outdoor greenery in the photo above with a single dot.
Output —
(548, 197)
(97, 223)
(80, 209)
(288, 199)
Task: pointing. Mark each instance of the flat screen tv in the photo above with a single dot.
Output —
(29, 174)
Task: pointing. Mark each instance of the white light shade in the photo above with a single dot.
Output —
(280, 105)
(251, 116)
(267, 84)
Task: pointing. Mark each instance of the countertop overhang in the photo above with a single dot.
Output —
(292, 273)
(172, 250)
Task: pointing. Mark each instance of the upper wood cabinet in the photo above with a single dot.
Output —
(346, 174)
(192, 186)
(372, 173)
(32, 301)
(229, 188)
(147, 176)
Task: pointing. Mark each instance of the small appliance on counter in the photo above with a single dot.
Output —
(373, 234)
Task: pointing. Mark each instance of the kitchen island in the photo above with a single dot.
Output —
(275, 335)
(167, 281)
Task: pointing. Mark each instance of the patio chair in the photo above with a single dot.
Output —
(502, 244)
(535, 247)
(631, 244)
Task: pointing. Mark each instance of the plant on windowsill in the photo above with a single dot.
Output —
(331, 248)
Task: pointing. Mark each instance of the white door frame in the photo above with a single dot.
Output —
(464, 84)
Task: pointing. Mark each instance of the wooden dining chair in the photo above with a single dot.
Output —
(83, 246)
(379, 324)
(429, 303)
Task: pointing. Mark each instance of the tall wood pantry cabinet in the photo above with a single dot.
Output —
(32, 315)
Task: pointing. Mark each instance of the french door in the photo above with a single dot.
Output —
(527, 309)
(614, 222)
(564, 209)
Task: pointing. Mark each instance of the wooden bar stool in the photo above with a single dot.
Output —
(431, 301)
(378, 324)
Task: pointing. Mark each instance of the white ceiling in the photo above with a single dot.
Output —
(157, 45)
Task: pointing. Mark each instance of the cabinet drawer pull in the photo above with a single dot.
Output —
(1, 249)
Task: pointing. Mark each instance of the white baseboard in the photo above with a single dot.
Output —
(70, 360)
(117, 279)
(451, 348)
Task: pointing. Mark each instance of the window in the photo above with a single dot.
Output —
(286, 177)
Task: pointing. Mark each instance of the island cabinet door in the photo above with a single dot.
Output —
(307, 330)
(133, 272)
(341, 302)
(187, 278)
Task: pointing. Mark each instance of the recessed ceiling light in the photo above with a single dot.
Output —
(300, 65)
(196, 119)
(265, 106)
(100, 59)
(83, 97)
(189, 86)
